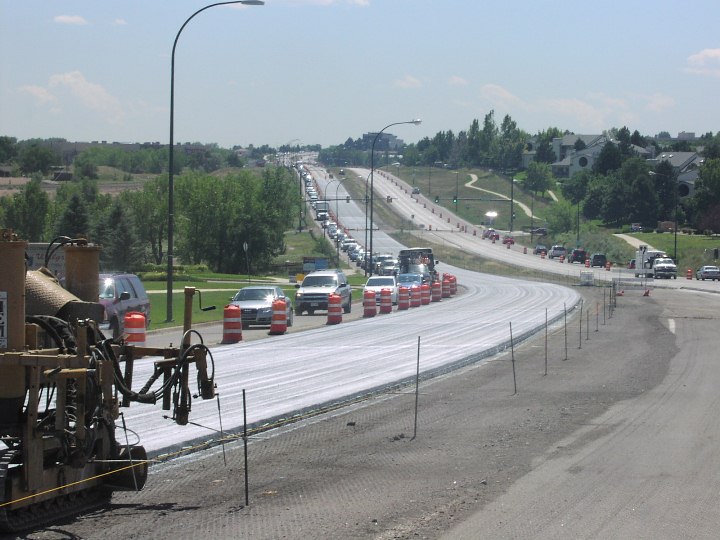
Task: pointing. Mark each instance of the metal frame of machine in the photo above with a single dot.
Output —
(62, 384)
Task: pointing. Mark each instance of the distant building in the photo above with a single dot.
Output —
(386, 141)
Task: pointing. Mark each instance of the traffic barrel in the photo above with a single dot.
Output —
(689, 273)
(134, 328)
(587, 263)
(562, 258)
(385, 301)
(278, 322)
(369, 305)
(445, 287)
(334, 309)
(525, 251)
(436, 291)
(425, 294)
(608, 265)
(232, 325)
(453, 284)
(403, 298)
(415, 296)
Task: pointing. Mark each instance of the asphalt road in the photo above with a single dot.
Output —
(618, 440)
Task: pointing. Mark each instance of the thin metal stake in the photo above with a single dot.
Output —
(127, 445)
(580, 334)
(417, 390)
(597, 317)
(512, 355)
(546, 339)
(604, 305)
(222, 434)
(566, 330)
(247, 491)
(587, 325)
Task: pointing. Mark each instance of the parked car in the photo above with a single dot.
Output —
(491, 234)
(708, 272)
(631, 264)
(312, 294)
(598, 259)
(255, 303)
(557, 251)
(507, 239)
(120, 294)
(578, 256)
(539, 231)
(416, 190)
(378, 283)
(540, 249)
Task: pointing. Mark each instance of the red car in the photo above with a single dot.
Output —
(508, 240)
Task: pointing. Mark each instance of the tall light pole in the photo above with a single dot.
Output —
(171, 163)
(417, 122)
(457, 182)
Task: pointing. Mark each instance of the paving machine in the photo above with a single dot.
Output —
(62, 385)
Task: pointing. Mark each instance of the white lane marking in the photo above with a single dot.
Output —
(671, 325)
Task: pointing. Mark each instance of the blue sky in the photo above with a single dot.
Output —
(320, 71)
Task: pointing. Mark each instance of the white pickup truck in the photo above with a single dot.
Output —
(653, 263)
(664, 268)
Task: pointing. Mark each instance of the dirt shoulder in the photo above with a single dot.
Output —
(358, 473)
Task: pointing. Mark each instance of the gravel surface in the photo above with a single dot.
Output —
(359, 473)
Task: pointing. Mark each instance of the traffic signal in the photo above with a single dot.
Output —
(455, 199)
(437, 199)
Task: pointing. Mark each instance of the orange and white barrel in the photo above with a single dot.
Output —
(415, 296)
(334, 309)
(403, 298)
(562, 258)
(425, 294)
(232, 325)
(445, 286)
(453, 284)
(587, 263)
(608, 266)
(385, 301)
(689, 273)
(369, 305)
(278, 322)
(436, 291)
(134, 328)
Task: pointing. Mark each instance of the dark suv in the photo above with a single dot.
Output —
(120, 294)
(577, 255)
(598, 259)
(312, 294)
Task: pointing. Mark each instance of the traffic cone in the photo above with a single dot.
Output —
(647, 292)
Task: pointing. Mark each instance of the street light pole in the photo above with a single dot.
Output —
(417, 122)
(457, 183)
(171, 164)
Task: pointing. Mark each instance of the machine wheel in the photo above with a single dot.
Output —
(290, 318)
(114, 328)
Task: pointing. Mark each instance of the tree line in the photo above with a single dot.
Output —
(214, 217)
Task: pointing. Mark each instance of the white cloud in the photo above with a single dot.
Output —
(408, 81)
(41, 95)
(92, 96)
(659, 103)
(119, 22)
(706, 62)
(456, 80)
(578, 111)
(76, 20)
(497, 95)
